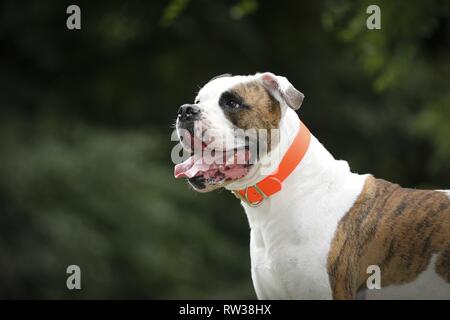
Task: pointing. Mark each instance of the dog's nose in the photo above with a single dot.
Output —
(188, 112)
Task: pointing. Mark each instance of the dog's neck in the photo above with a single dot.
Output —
(314, 161)
(317, 173)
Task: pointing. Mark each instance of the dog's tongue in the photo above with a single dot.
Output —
(196, 164)
(190, 167)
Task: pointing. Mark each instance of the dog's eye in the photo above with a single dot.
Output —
(231, 101)
(233, 104)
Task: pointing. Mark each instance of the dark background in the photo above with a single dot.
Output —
(85, 123)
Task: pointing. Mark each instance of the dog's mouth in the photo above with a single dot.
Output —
(207, 168)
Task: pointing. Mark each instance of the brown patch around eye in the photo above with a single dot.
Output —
(257, 108)
(260, 111)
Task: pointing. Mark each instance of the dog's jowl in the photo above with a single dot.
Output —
(316, 226)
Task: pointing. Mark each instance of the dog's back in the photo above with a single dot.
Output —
(405, 232)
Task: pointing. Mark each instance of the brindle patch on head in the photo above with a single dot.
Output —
(396, 228)
(263, 111)
(259, 109)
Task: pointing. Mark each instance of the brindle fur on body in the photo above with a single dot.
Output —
(397, 229)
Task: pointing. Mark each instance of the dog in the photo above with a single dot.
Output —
(317, 228)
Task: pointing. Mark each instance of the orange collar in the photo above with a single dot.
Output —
(256, 194)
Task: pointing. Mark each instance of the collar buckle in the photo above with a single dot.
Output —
(245, 198)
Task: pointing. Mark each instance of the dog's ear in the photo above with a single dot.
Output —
(281, 88)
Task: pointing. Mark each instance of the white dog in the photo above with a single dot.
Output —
(316, 227)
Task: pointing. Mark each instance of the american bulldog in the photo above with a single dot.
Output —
(316, 226)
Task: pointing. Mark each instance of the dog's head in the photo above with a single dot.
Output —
(225, 126)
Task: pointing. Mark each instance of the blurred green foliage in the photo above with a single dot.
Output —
(85, 124)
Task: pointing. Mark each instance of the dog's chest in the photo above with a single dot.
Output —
(288, 261)
(291, 236)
